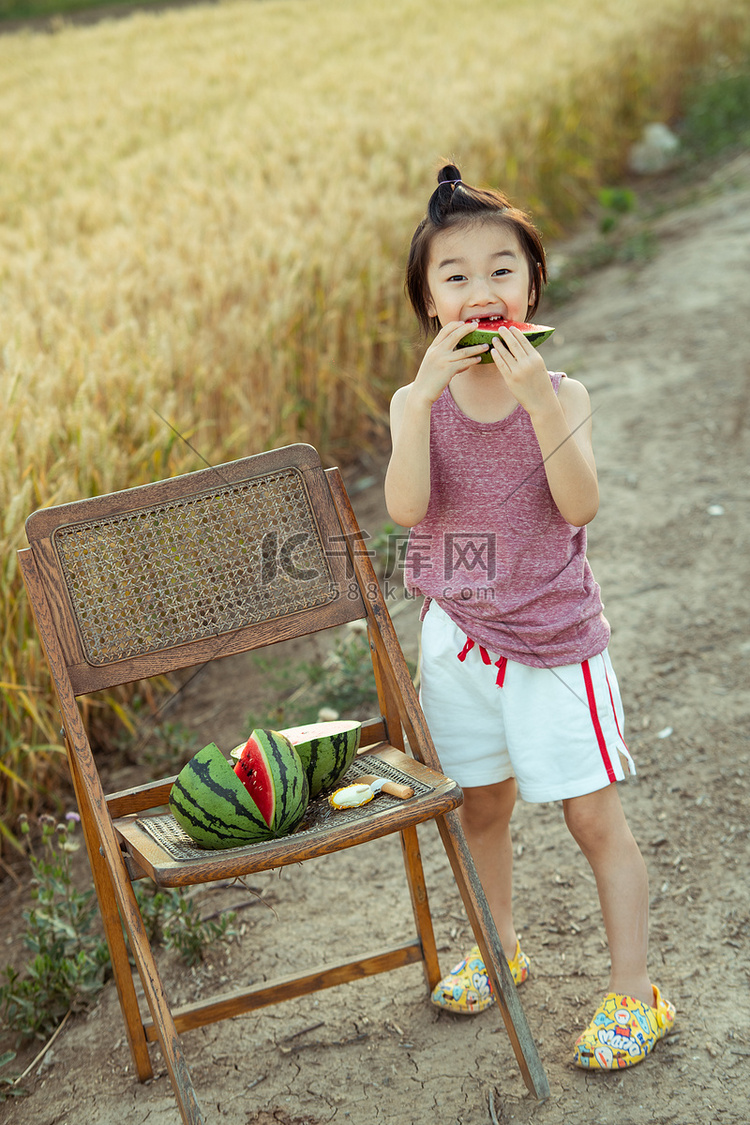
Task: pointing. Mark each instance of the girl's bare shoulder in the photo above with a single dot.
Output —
(573, 395)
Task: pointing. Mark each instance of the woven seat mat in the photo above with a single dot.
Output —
(319, 816)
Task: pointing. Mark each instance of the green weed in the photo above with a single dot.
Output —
(717, 115)
(173, 920)
(8, 1085)
(69, 960)
(615, 202)
(70, 957)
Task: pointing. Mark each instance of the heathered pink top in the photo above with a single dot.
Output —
(493, 550)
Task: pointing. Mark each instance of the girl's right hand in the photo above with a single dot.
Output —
(444, 359)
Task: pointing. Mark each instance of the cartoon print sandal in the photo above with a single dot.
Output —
(623, 1031)
(467, 989)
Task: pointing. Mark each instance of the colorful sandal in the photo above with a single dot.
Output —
(467, 989)
(623, 1031)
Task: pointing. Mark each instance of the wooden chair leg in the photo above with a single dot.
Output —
(169, 1041)
(420, 905)
(115, 892)
(164, 1025)
(487, 938)
(118, 950)
(122, 972)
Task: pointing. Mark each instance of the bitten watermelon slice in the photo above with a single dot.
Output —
(326, 750)
(486, 331)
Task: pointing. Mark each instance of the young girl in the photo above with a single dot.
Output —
(493, 469)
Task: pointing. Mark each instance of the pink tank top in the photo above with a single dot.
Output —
(493, 550)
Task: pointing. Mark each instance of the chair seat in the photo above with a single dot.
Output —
(156, 846)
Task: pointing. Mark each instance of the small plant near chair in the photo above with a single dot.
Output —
(173, 920)
(9, 1087)
(70, 956)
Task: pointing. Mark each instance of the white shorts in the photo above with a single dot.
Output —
(558, 731)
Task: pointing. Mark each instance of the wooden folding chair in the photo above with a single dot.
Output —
(220, 561)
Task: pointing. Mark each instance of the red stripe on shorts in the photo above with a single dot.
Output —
(595, 720)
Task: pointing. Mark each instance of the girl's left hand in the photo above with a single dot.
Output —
(523, 369)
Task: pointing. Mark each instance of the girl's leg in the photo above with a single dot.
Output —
(485, 816)
(597, 823)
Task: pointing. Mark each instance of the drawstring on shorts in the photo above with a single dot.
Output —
(501, 663)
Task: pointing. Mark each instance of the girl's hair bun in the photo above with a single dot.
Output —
(441, 201)
(449, 175)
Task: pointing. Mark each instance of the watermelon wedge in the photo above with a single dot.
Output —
(486, 331)
(272, 772)
(326, 749)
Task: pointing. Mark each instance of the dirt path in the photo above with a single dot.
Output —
(664, 349)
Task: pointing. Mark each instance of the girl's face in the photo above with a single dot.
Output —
(478, 271)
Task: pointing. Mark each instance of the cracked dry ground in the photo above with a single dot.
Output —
(664, 349)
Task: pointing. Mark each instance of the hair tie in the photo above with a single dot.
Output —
(454, 182)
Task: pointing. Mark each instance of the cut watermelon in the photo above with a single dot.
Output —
(326, 749)
(486, 332)
(222, 807)
(272, 772)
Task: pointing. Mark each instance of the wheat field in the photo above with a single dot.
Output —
(204, 216)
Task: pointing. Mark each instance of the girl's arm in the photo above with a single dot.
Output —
(407, 480)
(562, 423)
(563, 431)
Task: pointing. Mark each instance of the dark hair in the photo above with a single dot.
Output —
(452, 204)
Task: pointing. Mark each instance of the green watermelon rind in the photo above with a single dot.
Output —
(328, 755)
(290, 785)
(536, 334)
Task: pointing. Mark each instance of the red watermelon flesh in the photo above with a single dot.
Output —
(254, 772)
(492, 323)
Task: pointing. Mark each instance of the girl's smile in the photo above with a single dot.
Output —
(478, 271)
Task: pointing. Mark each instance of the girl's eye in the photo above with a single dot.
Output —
(457, 277)
(501, 272)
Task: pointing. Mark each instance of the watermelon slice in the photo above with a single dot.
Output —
(486, 331)
(272, 772)
(326, 749)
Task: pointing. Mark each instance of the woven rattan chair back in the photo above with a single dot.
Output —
(193, 568)
(183, 571)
